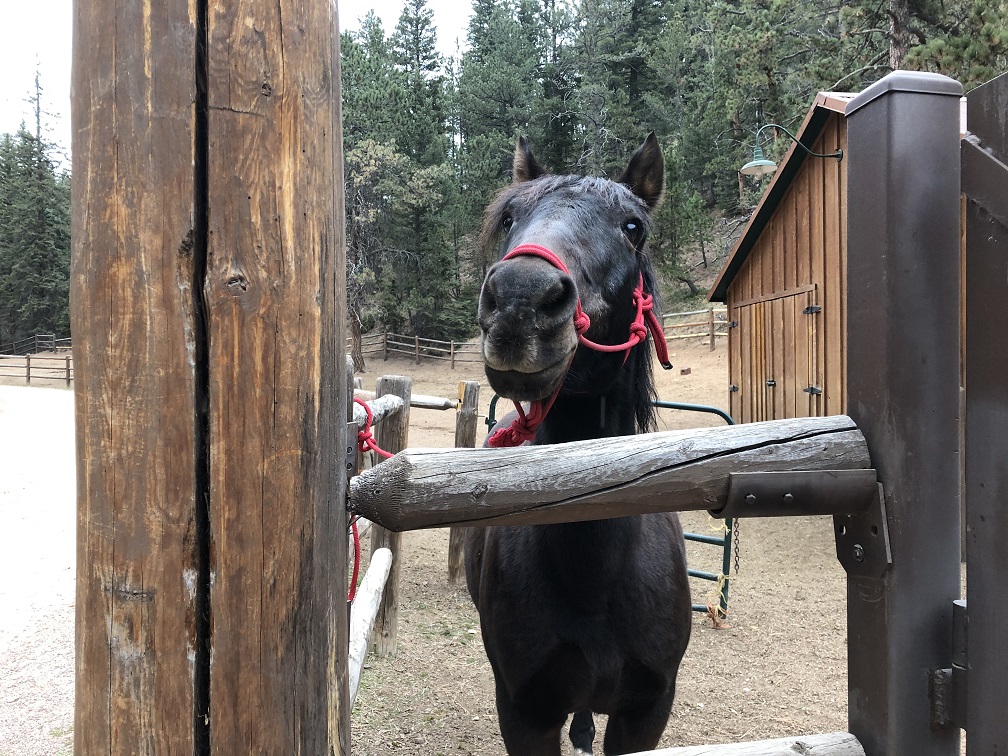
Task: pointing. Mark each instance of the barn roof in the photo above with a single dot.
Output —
(825, 104)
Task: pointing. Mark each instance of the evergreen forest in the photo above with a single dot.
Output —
(428, 140)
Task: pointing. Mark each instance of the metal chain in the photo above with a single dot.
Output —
(735, 533)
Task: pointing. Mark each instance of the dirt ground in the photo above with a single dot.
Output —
(778, 669)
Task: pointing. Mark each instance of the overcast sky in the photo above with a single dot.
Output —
(36, 34)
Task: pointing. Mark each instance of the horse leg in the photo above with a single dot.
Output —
(526, 731)
(639, 729)
(582, 732)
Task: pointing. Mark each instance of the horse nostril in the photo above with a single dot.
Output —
(560, 299)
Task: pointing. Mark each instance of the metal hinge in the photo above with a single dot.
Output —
(733, 387)
(733, 324)
(947, 687)
(814, 390)
(771, 383)
(811, 310)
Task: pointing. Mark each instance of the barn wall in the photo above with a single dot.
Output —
(798, 262)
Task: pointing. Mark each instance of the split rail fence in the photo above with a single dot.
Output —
(708, 324)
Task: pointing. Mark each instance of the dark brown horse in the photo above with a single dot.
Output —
(590, 616)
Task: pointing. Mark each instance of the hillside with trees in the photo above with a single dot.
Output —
(429, 140)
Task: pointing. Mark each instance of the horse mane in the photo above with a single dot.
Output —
(645, 392)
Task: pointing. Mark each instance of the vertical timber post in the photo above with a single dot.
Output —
(392, 436)
(208, 337)
(465, 436)
(903, 392)
(984, 177)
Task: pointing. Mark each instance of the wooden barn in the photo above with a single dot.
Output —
(784, 281)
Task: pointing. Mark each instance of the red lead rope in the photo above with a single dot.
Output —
(365, 443)
(524, 426)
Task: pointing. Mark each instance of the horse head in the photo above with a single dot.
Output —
(573, 272)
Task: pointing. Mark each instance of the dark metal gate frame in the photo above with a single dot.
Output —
(984, 662)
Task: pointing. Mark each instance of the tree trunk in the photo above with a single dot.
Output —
(356, 350)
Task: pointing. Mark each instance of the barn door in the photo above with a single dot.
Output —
(775, 375)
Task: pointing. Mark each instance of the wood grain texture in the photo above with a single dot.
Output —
(277, 403)
(362, 615)
(671, 471)
(465, 438)
(131, 290)
(831, 744)
(393, 436)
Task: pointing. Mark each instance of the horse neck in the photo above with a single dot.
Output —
(594, 547)
(581, 417)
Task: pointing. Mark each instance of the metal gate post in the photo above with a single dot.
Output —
(903, 393)
(985, 183)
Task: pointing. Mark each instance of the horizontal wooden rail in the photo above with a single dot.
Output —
(590, 480)
(380, 408)
(363, 612)
(422, 401)
(831, 744)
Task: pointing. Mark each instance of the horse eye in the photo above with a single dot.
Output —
(506, 222)
(634, 231)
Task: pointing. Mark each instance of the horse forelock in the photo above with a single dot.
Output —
(529, 193)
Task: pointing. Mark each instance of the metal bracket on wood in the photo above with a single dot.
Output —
(733, 324)
(352, 461)
(811, 310)
(862, 539)
(771, 383)
(807, 492)
(947, 687)
(813, 390)
(733, 388)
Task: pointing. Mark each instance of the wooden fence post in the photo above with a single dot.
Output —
(27, 368)
(416, 345)
(392, 435)
(453, 354)
(710, 326)
(465, 436)
(68, 370)
(211, 568)
(385, 347)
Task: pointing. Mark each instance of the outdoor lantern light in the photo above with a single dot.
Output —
(760, 166)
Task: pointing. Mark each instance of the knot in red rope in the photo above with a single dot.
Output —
(365, 439)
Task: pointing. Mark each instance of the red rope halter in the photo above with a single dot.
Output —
(524, 426)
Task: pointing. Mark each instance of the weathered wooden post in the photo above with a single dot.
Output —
(903, 392)
(68, 370)
(710, 327)
(208, 335)
(392, 436)
(465, 436)
(27, 362)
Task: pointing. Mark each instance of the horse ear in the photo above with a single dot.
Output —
(526, 167)
(645, 173)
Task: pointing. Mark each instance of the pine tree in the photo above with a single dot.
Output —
(34, 234)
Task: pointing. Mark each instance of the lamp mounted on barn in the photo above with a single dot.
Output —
(760, 166)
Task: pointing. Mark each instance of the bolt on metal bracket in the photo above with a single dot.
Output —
(862, 539)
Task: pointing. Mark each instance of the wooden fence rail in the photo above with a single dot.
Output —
(587, 480)
(37, 367)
